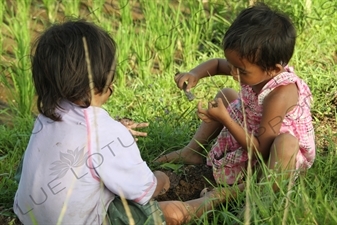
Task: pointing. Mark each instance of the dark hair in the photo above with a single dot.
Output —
(262, 36)
(59, 67)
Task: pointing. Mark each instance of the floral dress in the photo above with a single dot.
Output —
(229, 159)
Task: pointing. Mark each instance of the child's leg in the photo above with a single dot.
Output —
(177, 212)
(282, 158)
(206, 132)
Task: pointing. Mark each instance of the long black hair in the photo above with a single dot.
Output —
(59, 67)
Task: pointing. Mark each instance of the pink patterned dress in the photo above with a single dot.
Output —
(229, 159)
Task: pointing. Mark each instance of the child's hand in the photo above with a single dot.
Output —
(216, 111)
(131, 125)
(186, 81)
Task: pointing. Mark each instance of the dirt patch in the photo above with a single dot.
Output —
(187, 183)
(326, 134)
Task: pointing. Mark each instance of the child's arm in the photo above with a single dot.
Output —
(209, 68)
(275, 106)
(163, 183)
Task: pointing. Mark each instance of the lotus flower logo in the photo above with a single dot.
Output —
(67, 161)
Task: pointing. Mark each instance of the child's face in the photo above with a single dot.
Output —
(247, 73)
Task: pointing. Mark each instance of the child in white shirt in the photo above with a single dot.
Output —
(80, 164)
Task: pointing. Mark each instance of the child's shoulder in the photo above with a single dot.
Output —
(288, 77)
(102, 117)
(91, 116)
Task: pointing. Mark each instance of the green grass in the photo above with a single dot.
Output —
(169, 37)
(71, 8)
(17, 74)
(51, 8)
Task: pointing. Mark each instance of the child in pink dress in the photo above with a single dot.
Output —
(228, 166)
(270, 116)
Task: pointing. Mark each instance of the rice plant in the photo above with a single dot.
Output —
(51, 7)
(71, 8)
(19, 81)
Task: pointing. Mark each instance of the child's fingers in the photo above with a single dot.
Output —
(215, 103)
(139, 125)
(203, 113)
(203, 117)
(137, 133)
(199, 107)
(177, 77)
(207, 120)
(185, 81)
(212, 104)
(126, 122)
(200, 115)
(180, 80)
(182, 83)
(219, 101)
(200, 110)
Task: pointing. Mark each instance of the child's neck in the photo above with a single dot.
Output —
(258, 87)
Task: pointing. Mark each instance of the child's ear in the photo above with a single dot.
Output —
(276, 70)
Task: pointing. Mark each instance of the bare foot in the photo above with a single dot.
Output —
(204, 192)
(223, 193)
(186, 156)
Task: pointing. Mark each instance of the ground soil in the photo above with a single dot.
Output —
(188, 182)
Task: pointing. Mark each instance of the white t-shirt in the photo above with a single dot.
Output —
(72, 169)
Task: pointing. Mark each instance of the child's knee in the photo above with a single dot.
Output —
(286, 140)
(285, 146)
(228, 95)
